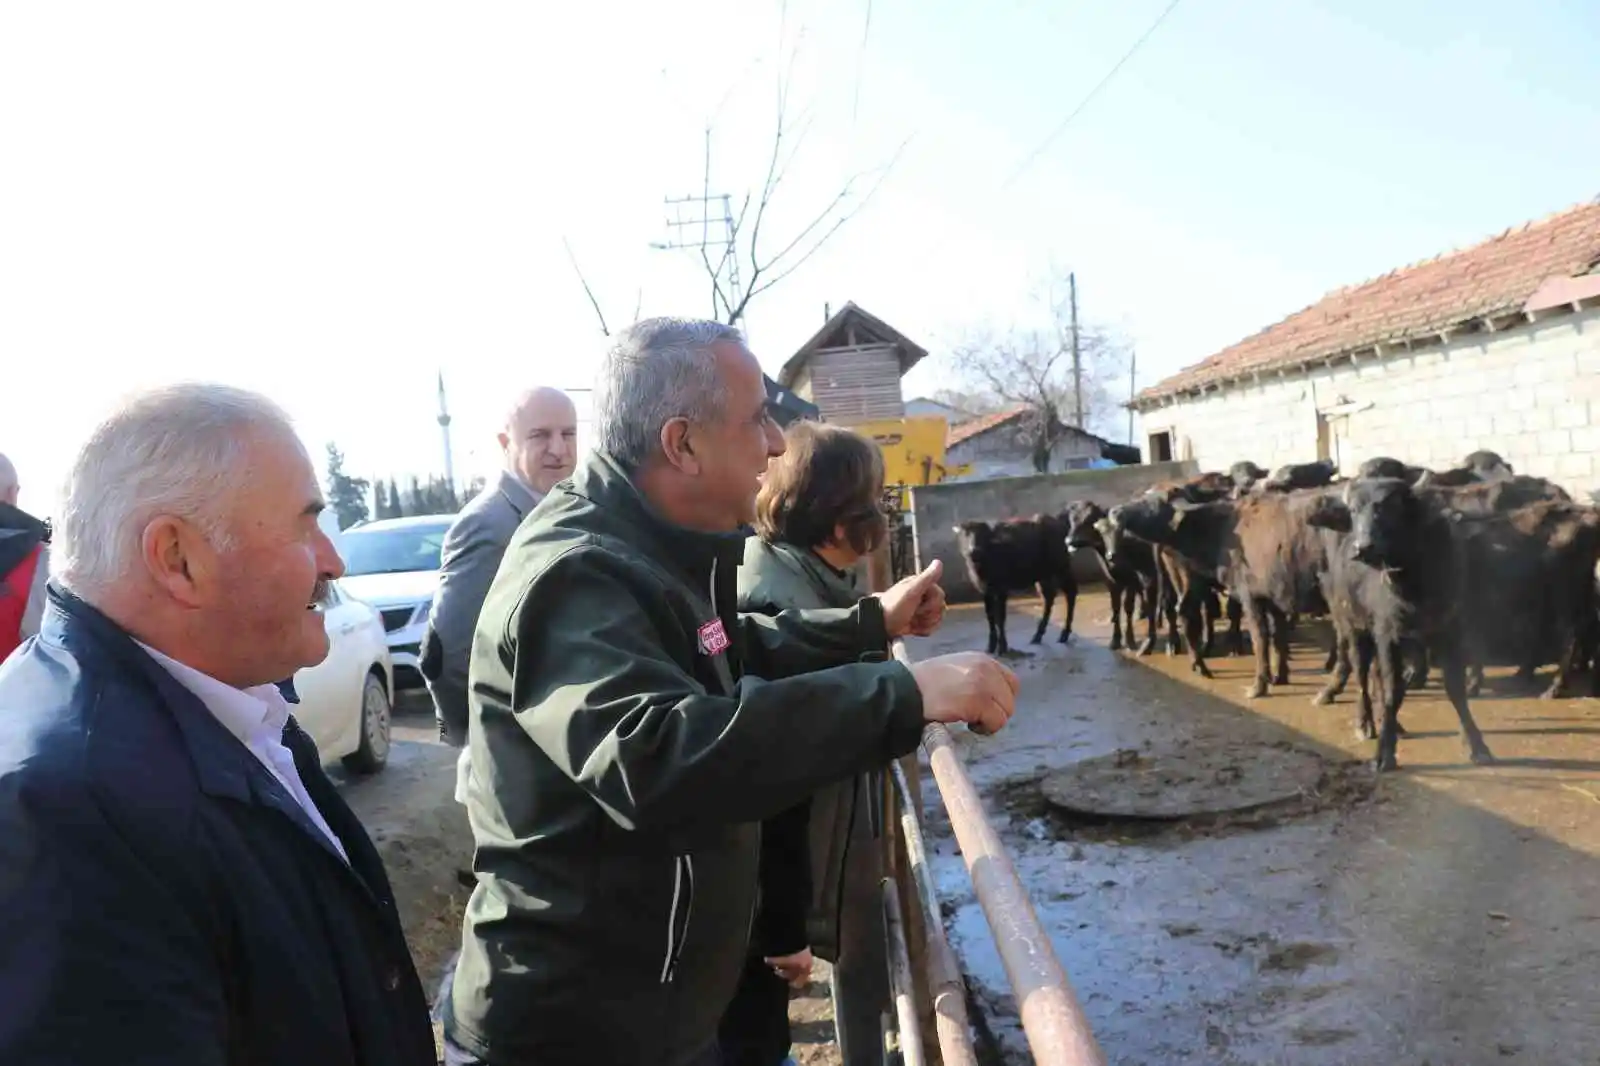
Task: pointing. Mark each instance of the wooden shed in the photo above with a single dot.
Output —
(851, 368)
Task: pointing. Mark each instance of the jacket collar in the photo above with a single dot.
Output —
(518, 493)
(604, 482)
(223, 766)
(834, 584)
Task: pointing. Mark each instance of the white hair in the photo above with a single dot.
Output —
(658, 369)
(170, 451)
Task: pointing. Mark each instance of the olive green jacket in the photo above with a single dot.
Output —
(628, 730)
(776, 577)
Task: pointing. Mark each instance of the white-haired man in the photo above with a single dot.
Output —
(24, 564)
(629, 727)
(179, 882)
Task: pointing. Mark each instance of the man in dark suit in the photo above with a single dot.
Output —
(179, 881)
(539, 440)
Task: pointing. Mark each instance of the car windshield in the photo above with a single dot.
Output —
(398, 550)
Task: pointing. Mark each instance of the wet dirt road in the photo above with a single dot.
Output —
(1446, 914)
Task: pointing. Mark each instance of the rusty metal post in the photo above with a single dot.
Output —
(1052, 1018)
(905, 1007)
(880, 576)
(945, 986)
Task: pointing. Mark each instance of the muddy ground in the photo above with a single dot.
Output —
(1446, 914)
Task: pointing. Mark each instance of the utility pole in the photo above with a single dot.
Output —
(1077, 362)
(712, 215)
(444, 431)
(1133, 362)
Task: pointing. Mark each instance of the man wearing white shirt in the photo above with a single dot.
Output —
(179, 881)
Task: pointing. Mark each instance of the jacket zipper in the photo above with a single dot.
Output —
(682, 902)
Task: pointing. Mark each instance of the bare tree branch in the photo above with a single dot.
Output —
(731, 294)
(604, 329)
(1034, 369)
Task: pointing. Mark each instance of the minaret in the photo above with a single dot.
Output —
(444, 431)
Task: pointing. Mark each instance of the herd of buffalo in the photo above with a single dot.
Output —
(1464, 568)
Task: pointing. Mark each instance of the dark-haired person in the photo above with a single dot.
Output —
(817, 517)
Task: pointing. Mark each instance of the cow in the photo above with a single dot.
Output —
(1129, 567)
(1260, 549)
(1015, 556)
(1245, 474)
(1505, 493)
(1402, 565)
(1479, 466)
(1301, 476)
(1383, 466)
(1185, 593)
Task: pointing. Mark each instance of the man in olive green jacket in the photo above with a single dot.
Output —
(630, 727)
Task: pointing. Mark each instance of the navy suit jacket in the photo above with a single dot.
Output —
(162, 898)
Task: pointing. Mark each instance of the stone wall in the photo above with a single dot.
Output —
(1531, 393)
(938, 509)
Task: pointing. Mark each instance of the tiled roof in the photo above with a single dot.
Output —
(964, 431)
(983, 424)
(1452, 292)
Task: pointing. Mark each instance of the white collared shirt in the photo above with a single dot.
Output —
(256, 717)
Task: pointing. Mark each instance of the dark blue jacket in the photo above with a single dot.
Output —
(162, 899)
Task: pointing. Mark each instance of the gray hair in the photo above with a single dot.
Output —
(658, 369)
(170, 451)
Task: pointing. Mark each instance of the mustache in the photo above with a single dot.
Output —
(319, 593)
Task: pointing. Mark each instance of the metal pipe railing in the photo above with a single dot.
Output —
(945, 986)
(1052, 1018)
(900, 983)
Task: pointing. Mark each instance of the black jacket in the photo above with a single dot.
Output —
(623, 748)
(163, 900)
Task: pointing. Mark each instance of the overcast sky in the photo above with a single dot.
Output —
(332, 202)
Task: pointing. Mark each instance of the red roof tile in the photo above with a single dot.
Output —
(1415, 302)
(983, 424)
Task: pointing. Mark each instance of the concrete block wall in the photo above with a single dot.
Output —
(937, 509)
(1531, 393)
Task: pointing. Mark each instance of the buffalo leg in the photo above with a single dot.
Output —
(1341, 670)
(1213, 607)
(1558, 684)
(1366, 650)
(1256, 618)
(1172, 606)
(1455, 687)
(989, 618)
(1236, 632)
(1392, 691)
(1069, 590)
(1281, 628)
(1152, 611)
(1047, 592)
(1190, 610)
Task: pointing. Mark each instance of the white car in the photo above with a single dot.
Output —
(393, 564)
(345, 700)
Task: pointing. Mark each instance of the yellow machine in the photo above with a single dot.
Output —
(913, 451)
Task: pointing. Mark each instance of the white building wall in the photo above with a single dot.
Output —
(1531, 394)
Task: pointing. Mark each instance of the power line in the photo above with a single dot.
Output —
(1099, 85)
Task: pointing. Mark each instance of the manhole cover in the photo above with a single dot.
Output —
(1183, 784)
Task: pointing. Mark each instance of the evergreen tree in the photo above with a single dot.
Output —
(346, 495)
(380, 500)
(396, 502)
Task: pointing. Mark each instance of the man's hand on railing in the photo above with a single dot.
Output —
(914, 606)
(966, 686)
